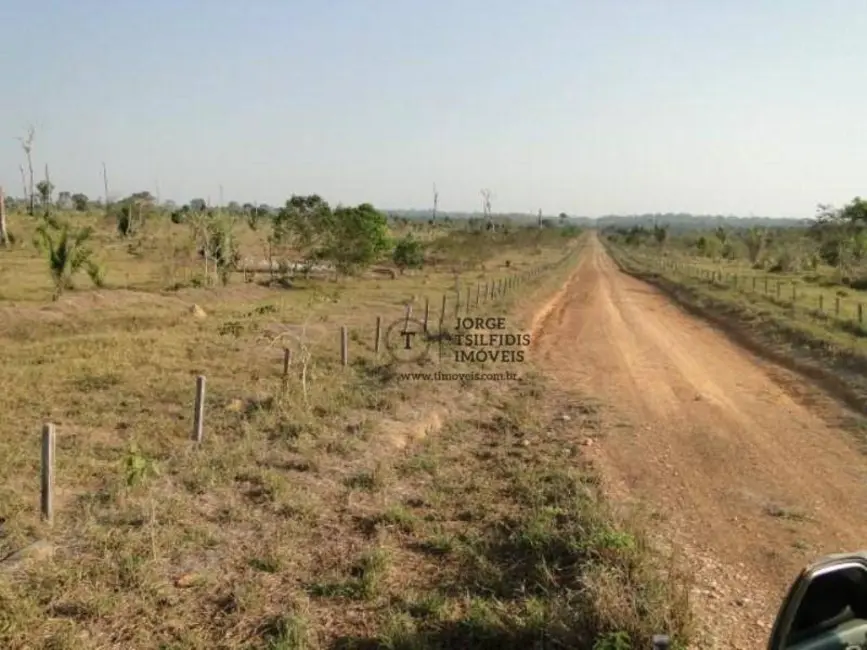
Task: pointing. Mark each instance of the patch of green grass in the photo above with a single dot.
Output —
(370, 480)
(365, 580)
(291, 632)
(400, 518)
(265, 564)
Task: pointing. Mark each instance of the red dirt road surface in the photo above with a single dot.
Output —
(739, 459)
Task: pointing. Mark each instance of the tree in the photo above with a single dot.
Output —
(64, 200)
(67, 253)
(45, 189)
(221, 245)
(855, 212)
(198, 205)
(486, 209)
(408, 253)
(660, 234)
(755, 239)
(357, 238)
(80, 201)
(133, 212)
(214, 237)
(27, 145)
(305, 224)
(840, 233)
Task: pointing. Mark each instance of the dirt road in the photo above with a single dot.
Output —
(738, 457)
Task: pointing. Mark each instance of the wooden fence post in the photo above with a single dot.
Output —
(821, 303)
(287, 358)
(478, 291)
(199, 410)
(443, 314)
(47, 496)
(860, 312)
(467, 310)
(344, 345)
(376, 341)
(426, 313)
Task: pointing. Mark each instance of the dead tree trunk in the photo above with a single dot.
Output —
(24, 184)
(436, 198)
(486, 209)
(4, 234)
(105, 184)
(47, 198)
(27, 145)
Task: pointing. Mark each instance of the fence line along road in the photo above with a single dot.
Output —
(783, 293)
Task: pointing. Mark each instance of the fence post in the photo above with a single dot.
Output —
(443, 314)
(344, 345)
(860, 313)
(478, 290)
(199, 412)
(287, 358)
(821, 303)
(426, 313)
(467, 310)
(47, 496)
(378, 335)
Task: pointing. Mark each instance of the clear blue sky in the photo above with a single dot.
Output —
(624, 106)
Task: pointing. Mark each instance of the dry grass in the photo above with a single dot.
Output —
(297, 524)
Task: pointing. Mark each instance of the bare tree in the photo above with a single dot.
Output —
(105, 184)
(486, 207)
(27, 145)
(49, 189)
(436, 197)
(4, 234)
(24, 183)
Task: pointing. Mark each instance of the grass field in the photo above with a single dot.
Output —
(339, 507)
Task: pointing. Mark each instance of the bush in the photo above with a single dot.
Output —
(408, 253)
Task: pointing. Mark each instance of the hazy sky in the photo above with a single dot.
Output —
(619, 106)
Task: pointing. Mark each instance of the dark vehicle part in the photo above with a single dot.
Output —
(826, 607)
